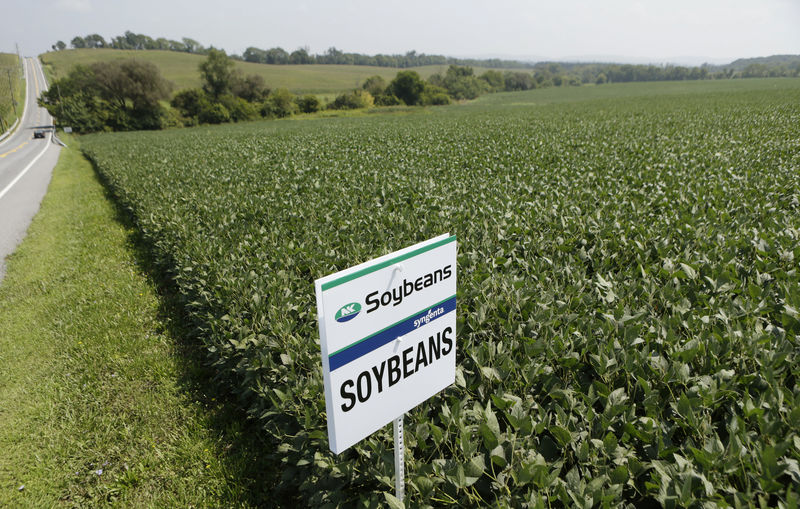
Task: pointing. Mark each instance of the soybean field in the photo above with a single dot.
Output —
(628, 287)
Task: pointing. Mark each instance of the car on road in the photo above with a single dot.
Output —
(39, 133)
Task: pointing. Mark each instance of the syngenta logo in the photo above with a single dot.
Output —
(348, 312)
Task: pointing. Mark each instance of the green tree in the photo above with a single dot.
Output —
(239, 109)
(217, 73)
(116, 95)
(494, 79)
(95, 41)
(280, 104)
(308, 104)
(434, 96)
(251, 88)
(192, 46)
(461, 83)
(214, 113)
(375, 85)
(277, 56)
(518, 81)
(300, 56)
(78, 42)
(253, 54)
(352, 100)
(190, 102)
(407, 86)
(59, 46)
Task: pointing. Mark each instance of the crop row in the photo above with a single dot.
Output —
(628, 288)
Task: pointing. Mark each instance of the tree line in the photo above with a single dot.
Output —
(130, 94)
(279, 56)
(558, 73)
(133, 41)
(124, 95)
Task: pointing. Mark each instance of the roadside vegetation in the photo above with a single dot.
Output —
(12, 90)
(104, 400)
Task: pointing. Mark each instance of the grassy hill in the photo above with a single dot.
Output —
(181, 68)
(774, 60)
(10, 61)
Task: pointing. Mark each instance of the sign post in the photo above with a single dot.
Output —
(399, 460)
(387, 337)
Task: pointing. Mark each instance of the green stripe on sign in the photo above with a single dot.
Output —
(378, 266)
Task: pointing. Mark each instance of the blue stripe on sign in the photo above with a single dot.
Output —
(380, 338)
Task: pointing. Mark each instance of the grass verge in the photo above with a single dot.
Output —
(101, 400)
(10, 62)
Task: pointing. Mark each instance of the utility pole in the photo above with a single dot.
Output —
(11, 87)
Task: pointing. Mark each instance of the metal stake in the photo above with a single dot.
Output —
(399, 460)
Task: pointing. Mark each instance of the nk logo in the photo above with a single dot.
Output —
(348, 312)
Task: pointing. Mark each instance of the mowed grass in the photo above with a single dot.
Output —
(10, 61)
(182, 69)
(101, 403)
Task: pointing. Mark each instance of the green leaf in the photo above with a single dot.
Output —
(619, 475)
(393, 501)
(490, 440)
(498, 457)
(562, 435)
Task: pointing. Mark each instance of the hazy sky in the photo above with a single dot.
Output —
(658, 31)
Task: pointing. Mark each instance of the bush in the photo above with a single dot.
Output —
(387, 100)
(214, 113)
(375, 85)
(494, 79)
(251, 88)
(434, 96)
(308, 104)
(279, 104)
(240, 109)
(352, 101)
(407, 86)
(189, 102)
(173, 118)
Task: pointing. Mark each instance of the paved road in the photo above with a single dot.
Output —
(26, 165)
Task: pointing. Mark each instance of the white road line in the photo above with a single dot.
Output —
(47, 144)
(24, 171)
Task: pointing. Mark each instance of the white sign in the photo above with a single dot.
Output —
(67, 129)
(388, 337)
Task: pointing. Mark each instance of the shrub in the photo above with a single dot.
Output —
(352, 100)
(434, 96)
(308, 104)
(189, 102)
(279, 104)
(240, 110)
(214, 113)
(375, 85)
(407, 86)
(387, 100)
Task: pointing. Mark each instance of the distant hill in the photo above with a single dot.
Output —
(182, 69)
(331, 79)
(786, 60)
